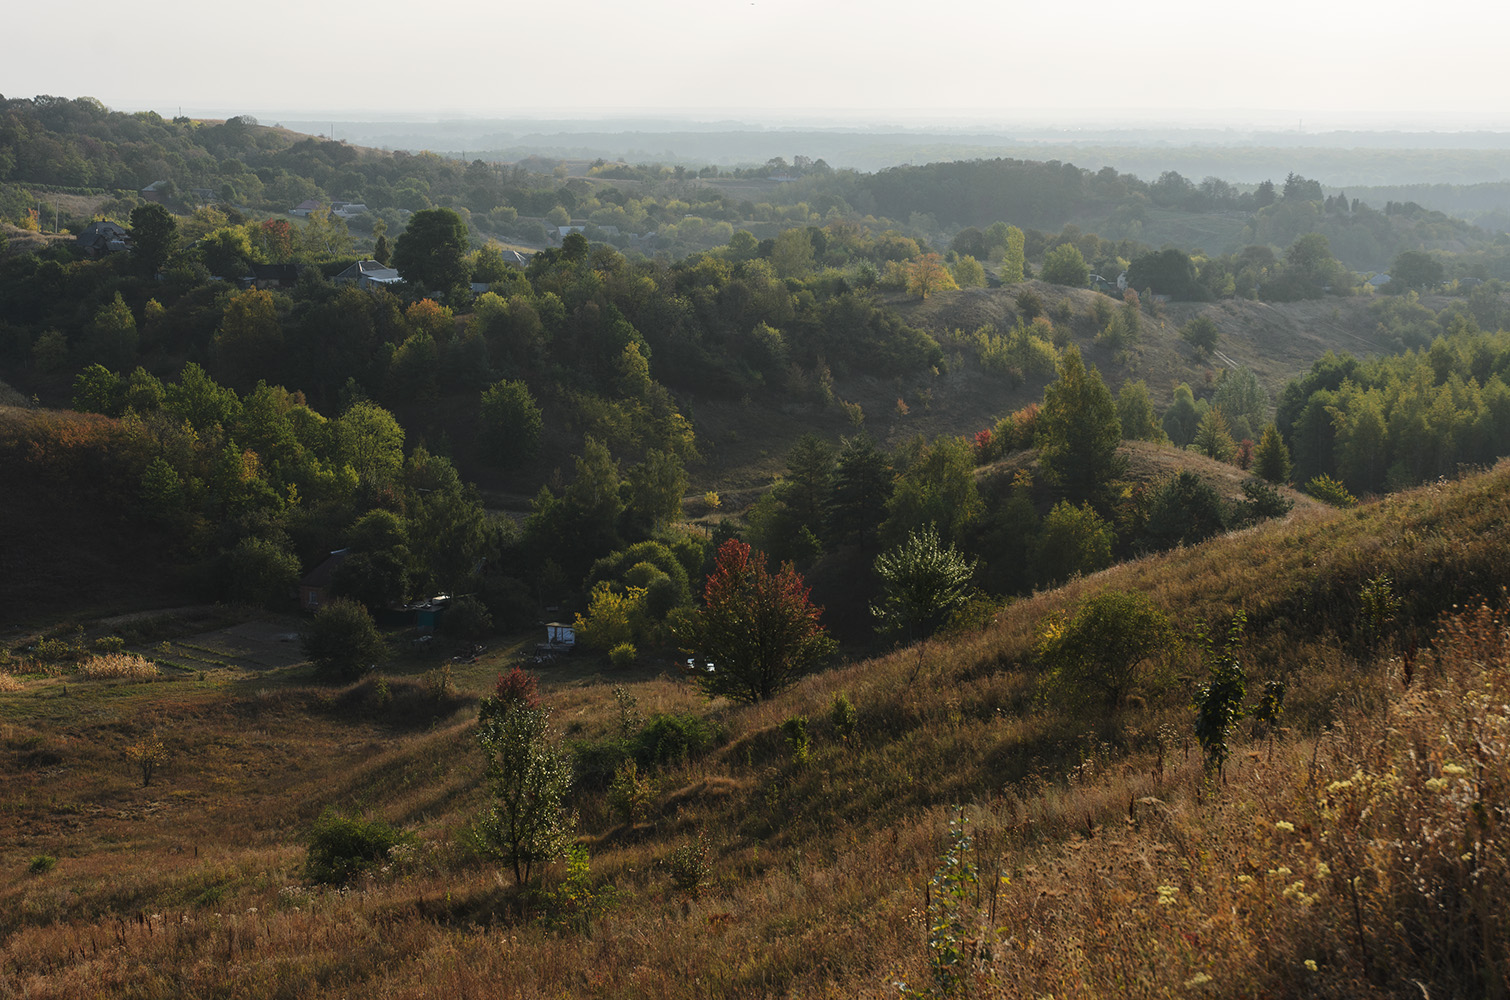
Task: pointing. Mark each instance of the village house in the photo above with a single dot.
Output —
(272, 276)
(366, 274)
(100, 238)
(314, 589)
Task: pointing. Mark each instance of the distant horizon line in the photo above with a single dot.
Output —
(1281, 121)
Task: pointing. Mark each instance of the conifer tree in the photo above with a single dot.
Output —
(1272, 460)
(1212, 437)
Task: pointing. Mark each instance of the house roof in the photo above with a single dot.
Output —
(307, 205)
(369, 270)
(276, 272)
(104, 227)
(322, 574)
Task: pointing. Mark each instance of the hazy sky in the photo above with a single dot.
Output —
(1326, 64)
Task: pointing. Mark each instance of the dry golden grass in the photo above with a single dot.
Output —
(1131, 872)
(127, 666)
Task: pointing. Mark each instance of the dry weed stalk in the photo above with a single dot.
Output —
(127, 666)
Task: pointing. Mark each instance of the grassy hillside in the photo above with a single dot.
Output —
(1350, 852)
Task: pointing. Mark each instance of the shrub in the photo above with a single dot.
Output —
(631, 792)
(1378, 607)
(689, 869)
(148, 754)
(1201, 333)
(55, 649)
(957, 948)
(1219, 702)
(517, 687)
(670, 738)
(1183, 511)
(1264, 502)
(1029, 304)
(1073, 540)
(343, 847)
(795, 731)
(467, 617)
(260, 572)
(438, 682)
(611, 617)
(575, 901)
(1104, 647)
(623, 655)
(343, 642)
(41, 864)
(109, 644)
(596, 763)
(844, 717)
(1330, 491)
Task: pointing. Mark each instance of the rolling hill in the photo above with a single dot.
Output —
(982, 829)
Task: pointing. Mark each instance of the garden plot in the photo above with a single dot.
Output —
(250, 646)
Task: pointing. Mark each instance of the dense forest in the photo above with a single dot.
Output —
(276, 423)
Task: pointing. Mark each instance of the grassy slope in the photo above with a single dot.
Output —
(190, 887)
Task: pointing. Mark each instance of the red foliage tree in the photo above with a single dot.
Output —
(517, 688)
(758, 629)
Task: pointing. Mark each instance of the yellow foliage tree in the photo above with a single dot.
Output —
(927, 275)
(429, 316)
(612, 618)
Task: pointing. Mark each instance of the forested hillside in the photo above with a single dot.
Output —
(599, 394)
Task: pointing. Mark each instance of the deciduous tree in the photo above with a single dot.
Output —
(249, 344)
(1013, 259)
(1065, 265)
(922, 582)
(526, 825)
(432, 251)
(1416, 269)
(510, 422)
(155, 233)
(1135, 412)
(1078, 428)
(1103, 648)
(927, 275)
(759, 629)
(342, 641)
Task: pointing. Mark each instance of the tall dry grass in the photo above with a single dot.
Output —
(1353, 843)
(127, 666)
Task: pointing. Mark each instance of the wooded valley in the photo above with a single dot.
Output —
(988, 577)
